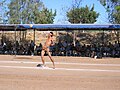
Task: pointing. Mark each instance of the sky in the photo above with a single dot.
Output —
(60, 4)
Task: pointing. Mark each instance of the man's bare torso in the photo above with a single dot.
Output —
(48, 43)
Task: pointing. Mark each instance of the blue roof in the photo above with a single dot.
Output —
(70, 26)
(57, 27)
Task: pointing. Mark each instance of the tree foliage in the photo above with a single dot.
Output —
(82, 15)
(116, 15)
(45, 16)
(113, 9)
(29, 11)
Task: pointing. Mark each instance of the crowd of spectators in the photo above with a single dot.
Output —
(63, 48)
(17, 48)
(92, 50)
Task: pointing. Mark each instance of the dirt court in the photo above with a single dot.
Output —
(71, 73)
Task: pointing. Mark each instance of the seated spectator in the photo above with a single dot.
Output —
(62, 50)
(83, 50)
(93, 53)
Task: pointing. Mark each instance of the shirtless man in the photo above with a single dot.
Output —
(45, 47)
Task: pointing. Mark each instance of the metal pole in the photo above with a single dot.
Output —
(34, 35)
(74, 37)
(103, 38)
(34, 41)
(15, 40)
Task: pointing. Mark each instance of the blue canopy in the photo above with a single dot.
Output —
(71, 26)
(59, 27)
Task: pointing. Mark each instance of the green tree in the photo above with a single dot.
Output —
(29, 11)
(45, 16)
(116, 15)
(14, 12)
(82, 15)
(112, 7)
(79, 14)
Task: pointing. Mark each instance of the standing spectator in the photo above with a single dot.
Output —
(116, 49)
(64, 43)
(77, 43)
(69, 50)
(111, 47)
(64, 46)
(17, 46)
(88, 51)
(4, 47)
(32, 45)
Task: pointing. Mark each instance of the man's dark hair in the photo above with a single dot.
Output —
(51, 33)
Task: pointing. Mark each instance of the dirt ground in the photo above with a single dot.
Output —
(71, 73)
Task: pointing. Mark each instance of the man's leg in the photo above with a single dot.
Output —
(49, 54)
(42, 57)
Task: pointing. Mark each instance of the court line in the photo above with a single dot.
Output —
(27, 62)
(65, 69)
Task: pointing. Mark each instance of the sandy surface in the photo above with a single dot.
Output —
(71, 73)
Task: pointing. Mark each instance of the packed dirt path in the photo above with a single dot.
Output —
(71, 73)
